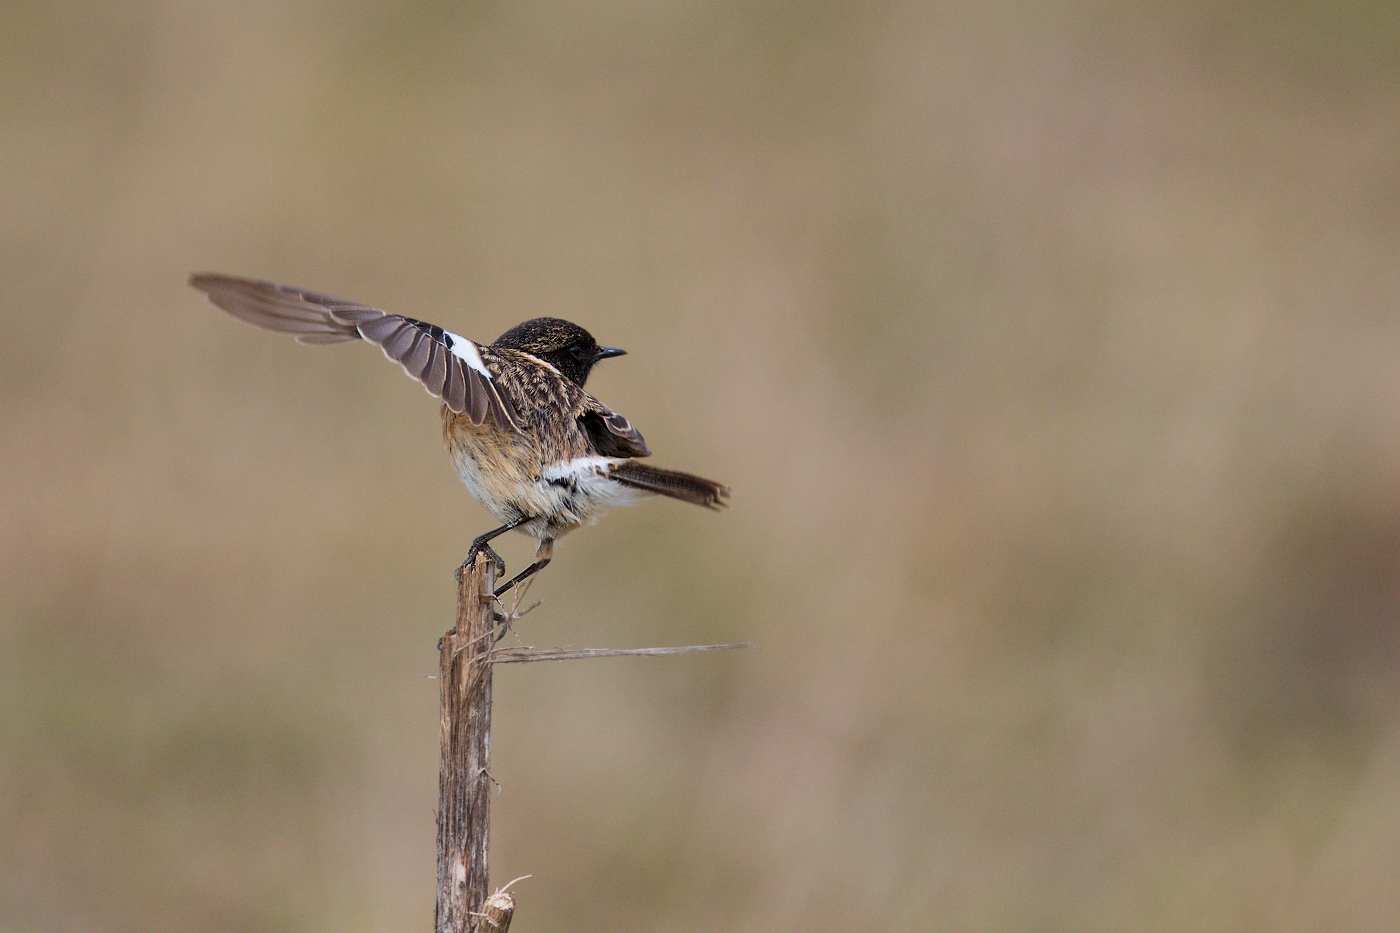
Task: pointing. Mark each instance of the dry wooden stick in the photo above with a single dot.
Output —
(464, 781)
(526, 655)
(467, 656)
(496, 913)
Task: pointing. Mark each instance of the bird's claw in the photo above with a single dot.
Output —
(471, 559)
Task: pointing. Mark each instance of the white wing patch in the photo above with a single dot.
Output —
(465, 350)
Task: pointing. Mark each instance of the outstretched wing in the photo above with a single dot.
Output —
(610, 434)
(449, 366)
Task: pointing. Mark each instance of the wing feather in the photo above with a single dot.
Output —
(398, 344)
(477, 403)
(435, 373)
(380, 329)
(317, 339)
(423, 349)
(415, 361)
(611, 434)
(454, 391)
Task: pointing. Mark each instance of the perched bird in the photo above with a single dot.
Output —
(541, 454)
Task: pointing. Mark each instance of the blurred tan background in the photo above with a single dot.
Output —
(1052, 351)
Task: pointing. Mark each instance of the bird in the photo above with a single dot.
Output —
(537, 451)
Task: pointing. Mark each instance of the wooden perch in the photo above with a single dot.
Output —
(467, 655)
(464, 781)
(496, 913)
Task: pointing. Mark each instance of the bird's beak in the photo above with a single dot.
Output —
(605, 352)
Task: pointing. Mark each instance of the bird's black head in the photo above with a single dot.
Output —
(565, 346)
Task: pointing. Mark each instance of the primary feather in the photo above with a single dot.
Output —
(449, 366)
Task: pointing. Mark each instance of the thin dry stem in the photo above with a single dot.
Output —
(527, 655)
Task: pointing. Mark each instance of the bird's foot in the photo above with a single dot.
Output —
(481, 547)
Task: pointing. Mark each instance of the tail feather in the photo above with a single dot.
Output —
(673, 483)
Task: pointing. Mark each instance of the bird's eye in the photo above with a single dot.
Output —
(577, 351)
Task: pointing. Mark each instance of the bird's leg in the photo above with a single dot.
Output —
(543, 554)
(480, 544)
(528, 572)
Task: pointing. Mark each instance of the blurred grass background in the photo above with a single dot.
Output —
(1052, 351)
